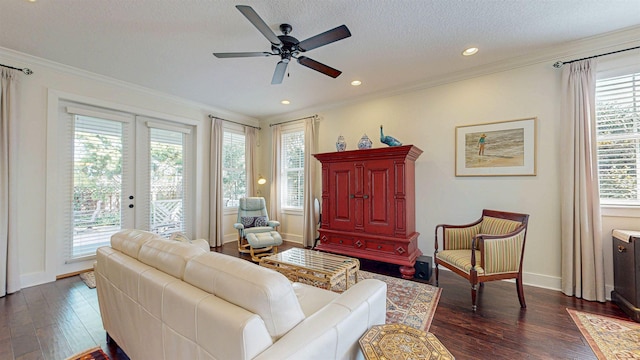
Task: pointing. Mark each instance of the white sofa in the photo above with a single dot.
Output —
(164, 299)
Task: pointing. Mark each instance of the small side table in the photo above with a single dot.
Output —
(397, 341)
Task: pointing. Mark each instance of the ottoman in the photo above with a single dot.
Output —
(263, 240)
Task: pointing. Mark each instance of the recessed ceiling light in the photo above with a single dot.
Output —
(285, 102)
(470, 51)
(356, 83)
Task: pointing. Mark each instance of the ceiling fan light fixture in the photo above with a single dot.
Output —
(285, 102)
(470, 51)
(356, 83)
(288, 47)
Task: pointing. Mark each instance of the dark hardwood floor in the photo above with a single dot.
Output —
(56, 320)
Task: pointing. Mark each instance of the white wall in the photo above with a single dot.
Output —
(37, 265)
(427, 118)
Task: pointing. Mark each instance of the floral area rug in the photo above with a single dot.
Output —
(610, 338)
(408, 302)
(95, 353)
(89, 278)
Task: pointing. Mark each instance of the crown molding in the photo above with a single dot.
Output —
(9, 55)
(611, 41)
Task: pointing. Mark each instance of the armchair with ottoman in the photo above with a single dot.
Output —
(164, 299)
(257, 235)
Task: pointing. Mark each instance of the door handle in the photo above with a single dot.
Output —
(351, 196)
(130, 206)
(365, 196)
(621, 249)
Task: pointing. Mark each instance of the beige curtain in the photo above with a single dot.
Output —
(250, 135)
(9, 271)
(216, 194)
(274, 196)
(582, 255)
(310, 163)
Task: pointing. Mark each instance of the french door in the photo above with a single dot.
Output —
(123, 171)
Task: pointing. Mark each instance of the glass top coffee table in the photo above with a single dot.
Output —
(313, 267)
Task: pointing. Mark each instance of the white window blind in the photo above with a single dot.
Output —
(167, 185)
(293, 168)
(618, 137)
(97, 167)
(234, 176)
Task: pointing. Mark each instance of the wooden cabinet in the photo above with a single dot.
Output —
(626, 272)
(368, 205)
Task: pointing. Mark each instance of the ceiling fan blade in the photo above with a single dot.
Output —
(325, 38)
(257, 21)
(241, 54)
(278, 75)
(317, 66)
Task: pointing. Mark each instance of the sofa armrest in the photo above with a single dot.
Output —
(334, 330)
(201, 243)
(238, 226)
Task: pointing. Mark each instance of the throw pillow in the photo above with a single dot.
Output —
(178, 236)
(254, 221)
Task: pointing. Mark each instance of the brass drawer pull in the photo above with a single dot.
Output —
(621, 249)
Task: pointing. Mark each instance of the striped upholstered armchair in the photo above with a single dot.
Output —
(498, 240)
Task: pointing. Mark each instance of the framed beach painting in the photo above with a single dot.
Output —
(504, 148)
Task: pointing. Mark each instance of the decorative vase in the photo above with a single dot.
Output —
(341, 145)
(365, 142)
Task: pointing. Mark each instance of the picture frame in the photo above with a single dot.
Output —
(502, 148)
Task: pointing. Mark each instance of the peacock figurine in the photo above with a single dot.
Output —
(389, 140)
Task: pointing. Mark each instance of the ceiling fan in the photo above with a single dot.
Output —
(288, 47)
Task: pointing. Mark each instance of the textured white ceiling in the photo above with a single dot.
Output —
(167, 45)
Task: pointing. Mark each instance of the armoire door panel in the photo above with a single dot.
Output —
(341, 185)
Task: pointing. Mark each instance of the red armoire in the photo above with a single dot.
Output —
(369, 205)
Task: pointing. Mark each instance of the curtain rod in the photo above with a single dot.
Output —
(558, 64)
(24, 70)
(288, 121)
(235, 122)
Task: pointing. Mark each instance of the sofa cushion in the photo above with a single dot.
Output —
(257, 289)
(168, 256)
(131, 240)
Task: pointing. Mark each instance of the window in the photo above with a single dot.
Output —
(98, 154)
(234, 176)
(618, 137)
(167, 184)
(292, 168)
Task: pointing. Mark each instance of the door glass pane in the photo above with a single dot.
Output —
(167, 185)
(97, 183)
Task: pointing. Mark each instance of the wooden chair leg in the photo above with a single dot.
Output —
(520, 290)
(474, 292)
(437, 273)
